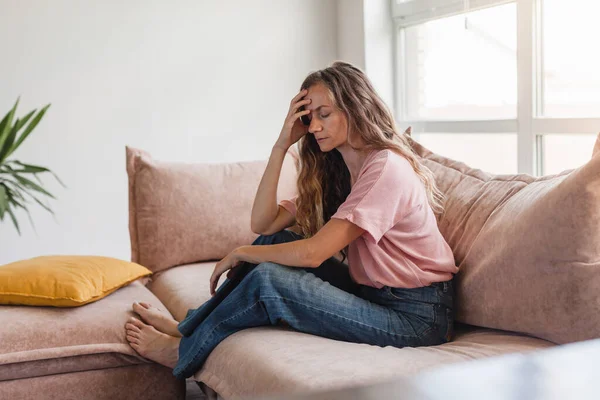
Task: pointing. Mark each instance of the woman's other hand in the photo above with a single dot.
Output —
(293, 128)
(230, 261)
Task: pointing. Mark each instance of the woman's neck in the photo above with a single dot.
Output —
(354, 160)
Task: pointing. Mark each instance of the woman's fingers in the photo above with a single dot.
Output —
(301, 103)
(301, 113)
(214, 278)
(299, 96)
(213, 285)
(295, 107)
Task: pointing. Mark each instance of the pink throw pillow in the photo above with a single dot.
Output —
(527, 248)
(183, 213)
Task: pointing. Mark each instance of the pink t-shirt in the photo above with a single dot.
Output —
(402, 245)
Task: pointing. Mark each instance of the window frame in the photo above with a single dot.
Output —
(529, 125)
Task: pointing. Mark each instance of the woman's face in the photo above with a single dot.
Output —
(328, 124)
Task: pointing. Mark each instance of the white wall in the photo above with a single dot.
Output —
(366, 39)
(187, 80)
(351, 32)
(379, 48)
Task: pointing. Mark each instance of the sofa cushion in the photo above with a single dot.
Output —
(272, 360)
(182, 213)
(40, 341)
(528, 248)
(65, 281)
(269, 360)
(183, 287)
(139, 382)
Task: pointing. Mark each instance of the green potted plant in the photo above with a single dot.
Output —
(17, 190)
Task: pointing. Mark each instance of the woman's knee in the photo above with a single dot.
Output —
(272, 274)
(266, 269)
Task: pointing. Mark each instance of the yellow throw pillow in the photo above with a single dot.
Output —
(65, 281)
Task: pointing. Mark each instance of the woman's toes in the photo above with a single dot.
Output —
(136, 322)
(138, 308)
(145, 305)
(133, 334)
(131, 327)
(133, 339)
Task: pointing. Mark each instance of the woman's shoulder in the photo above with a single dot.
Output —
(387, 157)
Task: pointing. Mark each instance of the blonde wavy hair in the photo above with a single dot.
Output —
(323, 177)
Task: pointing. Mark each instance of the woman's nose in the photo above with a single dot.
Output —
(314, 127)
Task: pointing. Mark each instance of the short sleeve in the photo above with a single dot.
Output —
(289, 205)
(385, 191)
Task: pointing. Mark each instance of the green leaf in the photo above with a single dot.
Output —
(3, 124)
(11, 198)
(24, 190)
(46, 207)
(31, 184)
(41, 169)
(14, 201)
(6, 125)
(26, 133)
(29, 168)
(20, 122)
(3, 200)
(13, 194)
(14, 220)
(10, 139)
(37, 178)
(7, 170)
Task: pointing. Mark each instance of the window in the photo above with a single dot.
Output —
(562, 152)
(571, 69)
(507, 86)
(463, 67)
(485, 151)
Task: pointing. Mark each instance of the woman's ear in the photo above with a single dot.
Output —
(596, 151)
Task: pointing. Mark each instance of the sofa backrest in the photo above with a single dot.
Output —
(181, 213)
(527, 248)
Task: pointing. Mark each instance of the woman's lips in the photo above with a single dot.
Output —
(320, 140)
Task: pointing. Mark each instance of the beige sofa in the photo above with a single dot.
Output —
(526, 248)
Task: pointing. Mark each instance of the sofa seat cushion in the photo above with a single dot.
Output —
(268, 360)
(277, 360)
(184, 287)
(38, 341)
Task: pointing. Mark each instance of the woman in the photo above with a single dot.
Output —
(362, 191)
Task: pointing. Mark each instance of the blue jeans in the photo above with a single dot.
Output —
(322, 301)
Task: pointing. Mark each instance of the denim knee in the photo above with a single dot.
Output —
(270, 275)
(267, 269)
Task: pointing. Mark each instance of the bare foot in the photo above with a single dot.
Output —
(158, 318)
(152, 344)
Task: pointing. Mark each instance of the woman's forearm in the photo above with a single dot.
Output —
(264, 209)
(293, 254)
